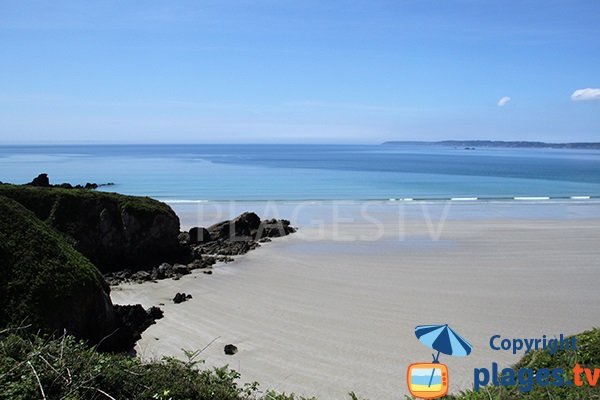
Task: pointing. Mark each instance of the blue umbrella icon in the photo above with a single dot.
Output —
(443, 339)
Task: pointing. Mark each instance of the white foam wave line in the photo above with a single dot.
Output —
(580, 197)
(408, 199)
(184, 201)
(464, 198)
(532, 198)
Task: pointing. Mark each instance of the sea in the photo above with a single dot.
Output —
(411, 172)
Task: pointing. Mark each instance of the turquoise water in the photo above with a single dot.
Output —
(311, 172)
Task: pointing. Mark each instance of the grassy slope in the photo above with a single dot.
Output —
(43, 280)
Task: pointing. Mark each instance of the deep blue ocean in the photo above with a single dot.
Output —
(311, 172)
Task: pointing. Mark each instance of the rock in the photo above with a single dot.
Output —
(199, 235)
(197, 264)
(164, 268)
(230, 349)
(209, 272)
(245, 225)
(134, 320)
(184, 238)
(181, 269)
(141, 276)
(65, 186)
(181, 297)
(229, 248)
(91, 186)
(40, 181)
(274, 228)
(155, 312)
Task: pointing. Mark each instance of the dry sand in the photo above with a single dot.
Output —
(325, 317)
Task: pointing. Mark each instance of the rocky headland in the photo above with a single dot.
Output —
(61, 249)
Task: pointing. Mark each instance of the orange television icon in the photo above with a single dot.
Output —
(427, 380)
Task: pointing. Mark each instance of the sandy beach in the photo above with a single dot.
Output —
(332, 308)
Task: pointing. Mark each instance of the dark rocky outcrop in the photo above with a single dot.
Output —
(113, 231)
(248, 226)
(202, 247)
(134, 320)
(47, 284)
(41, 180)
(244, 226)
(274, 228)
(198, 235)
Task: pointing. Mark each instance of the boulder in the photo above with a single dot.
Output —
(141, 276)
(239, 228)
(180, 269)
(41, 181)
(230, 349)
(184, 238)
(274, 228)
(181, 297)
(133, 321)
(155, 313)
(198, 235)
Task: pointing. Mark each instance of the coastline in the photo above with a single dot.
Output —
(332, 308)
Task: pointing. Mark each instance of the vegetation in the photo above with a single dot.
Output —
(587, 355)
(32, 366)
(43, 280)
(43, 201)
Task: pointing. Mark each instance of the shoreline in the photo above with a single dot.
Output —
(336, 313)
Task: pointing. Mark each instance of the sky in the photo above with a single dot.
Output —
(278, 71)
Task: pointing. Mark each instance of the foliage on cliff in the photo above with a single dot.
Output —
(44, 282)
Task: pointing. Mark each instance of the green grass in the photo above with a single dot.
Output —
(587, 355)
(42, 201)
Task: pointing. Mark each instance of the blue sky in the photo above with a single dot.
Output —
(298, 71)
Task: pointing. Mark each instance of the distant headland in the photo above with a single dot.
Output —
(470, 144)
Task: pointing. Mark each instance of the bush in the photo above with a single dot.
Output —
(65, 368)
(586, 355)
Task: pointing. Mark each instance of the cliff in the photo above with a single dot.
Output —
(112, 230)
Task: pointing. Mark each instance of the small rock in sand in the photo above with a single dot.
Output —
(230, 349)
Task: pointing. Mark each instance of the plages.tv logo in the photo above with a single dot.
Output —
(430, 380)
